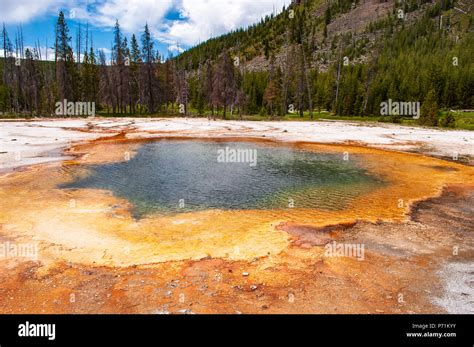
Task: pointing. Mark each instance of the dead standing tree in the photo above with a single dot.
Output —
(224, 86)
(182, 90)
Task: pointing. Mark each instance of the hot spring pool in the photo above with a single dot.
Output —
(173, 176)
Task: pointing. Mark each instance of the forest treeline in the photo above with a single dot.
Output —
(427, 61)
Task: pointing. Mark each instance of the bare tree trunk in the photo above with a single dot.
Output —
(310, 101)
(338, 78)
(285, 79)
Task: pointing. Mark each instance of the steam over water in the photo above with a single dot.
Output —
(171, 176)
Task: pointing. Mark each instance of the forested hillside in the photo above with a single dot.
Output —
(341, 56)
(349, 56)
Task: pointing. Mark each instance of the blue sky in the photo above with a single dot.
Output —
(175, 24)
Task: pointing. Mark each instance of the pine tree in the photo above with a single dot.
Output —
(117, 70)
(135, 61)
(65, 67)
(148, 83)
(429, 110)
(90, 77)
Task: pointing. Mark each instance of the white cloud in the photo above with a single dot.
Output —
(17, 11)
(175, 48)
(131, 14)
(199, 19)
(208, 18)
(105, 50)
(46, 54)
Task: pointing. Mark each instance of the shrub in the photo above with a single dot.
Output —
(447, 120)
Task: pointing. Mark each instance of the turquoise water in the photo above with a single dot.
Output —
(171, 176)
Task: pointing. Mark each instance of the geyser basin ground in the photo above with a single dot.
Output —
(183, 176)
(95, 225)
(91, 245)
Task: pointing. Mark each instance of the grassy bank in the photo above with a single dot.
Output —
(463, 120)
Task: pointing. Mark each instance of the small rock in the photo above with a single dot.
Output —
(245, 274)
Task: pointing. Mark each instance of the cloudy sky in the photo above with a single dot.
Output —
(175, 24)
